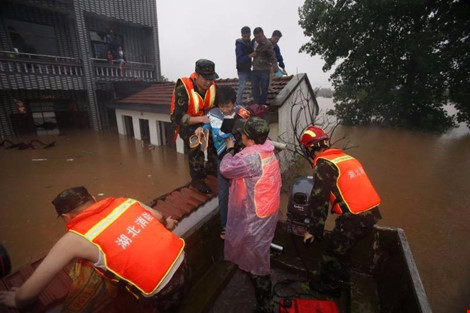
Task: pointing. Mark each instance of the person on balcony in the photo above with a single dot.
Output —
(121, 60)
(124, 240)
(109, 56)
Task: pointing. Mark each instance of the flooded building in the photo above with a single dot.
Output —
(61, 59)
(145, 115)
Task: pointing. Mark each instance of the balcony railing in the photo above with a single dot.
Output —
(28, 63)
(129, 70)
(40, 64)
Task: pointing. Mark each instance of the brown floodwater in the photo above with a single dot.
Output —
(423, 180)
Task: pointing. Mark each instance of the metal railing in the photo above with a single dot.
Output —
(29, 63)
(104, 68)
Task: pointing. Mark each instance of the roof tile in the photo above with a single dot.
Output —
(160, 93)
(184, 200)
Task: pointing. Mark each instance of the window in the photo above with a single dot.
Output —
(44, 118)
(101, 42)
(31, 37)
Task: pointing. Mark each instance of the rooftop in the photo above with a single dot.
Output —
(157, 97)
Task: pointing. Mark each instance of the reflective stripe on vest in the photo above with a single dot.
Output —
(267, 190)
(196, 105)
(104, 223)
(136, 247)
(355, 188)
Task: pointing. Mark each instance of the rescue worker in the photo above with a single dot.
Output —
(254, 199)
(341, 183)
(192, 98)
(123, 239)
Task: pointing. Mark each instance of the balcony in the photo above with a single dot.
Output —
(38, 71)
(29, 63)
(130, 71)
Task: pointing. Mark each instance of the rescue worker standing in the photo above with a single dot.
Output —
(340, 182)
(253, 206)
(122, 239)
(192, 98)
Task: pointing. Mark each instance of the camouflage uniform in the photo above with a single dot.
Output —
(263, 293)
(197, 167)
(170, 298)
(349, 228)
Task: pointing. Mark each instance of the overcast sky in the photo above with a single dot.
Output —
(207, 29)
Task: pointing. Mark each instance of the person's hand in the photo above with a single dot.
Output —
(308, 237)
(198, 131)
(171, 223)
(252, 55)
(229, 142)
(8, 297)
(204, 119)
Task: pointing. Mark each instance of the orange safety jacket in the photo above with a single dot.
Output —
(197, 106)
(268, 187)
(137, 248)
(353, 183)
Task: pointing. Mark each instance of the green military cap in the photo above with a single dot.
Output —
(254, 128)
(71, 199)
(206, 68)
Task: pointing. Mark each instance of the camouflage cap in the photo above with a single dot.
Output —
(206, 68)
(71, 199)
(254, 128)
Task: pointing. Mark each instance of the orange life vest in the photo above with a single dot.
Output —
(137, 248)
(267, 194)
(197, 106)
(353, 183)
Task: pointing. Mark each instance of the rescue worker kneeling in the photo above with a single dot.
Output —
(123, 239)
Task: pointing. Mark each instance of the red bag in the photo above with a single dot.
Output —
(257, 110)
(307, 306)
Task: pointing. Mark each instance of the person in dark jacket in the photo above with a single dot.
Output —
(274, 40)
(243, 51)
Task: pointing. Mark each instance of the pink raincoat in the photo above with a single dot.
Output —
(254, 200)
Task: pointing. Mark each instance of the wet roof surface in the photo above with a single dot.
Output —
(182, 201)
(55, 292)
(160, 93)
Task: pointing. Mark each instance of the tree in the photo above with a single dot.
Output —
(397, 59)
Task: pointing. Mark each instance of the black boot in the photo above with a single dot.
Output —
(263, 293)
(200, 185)
(322, 288)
